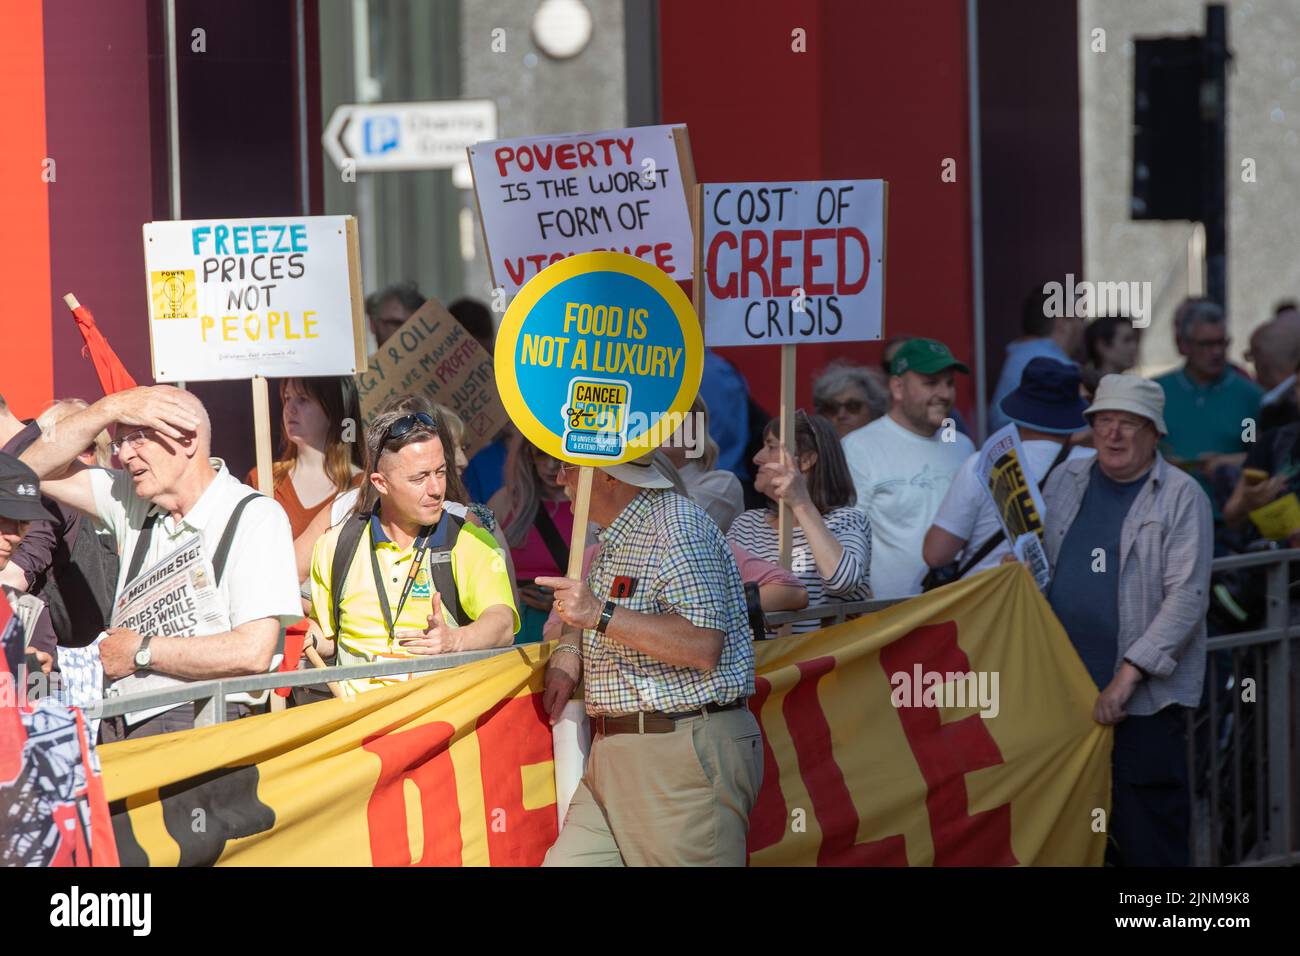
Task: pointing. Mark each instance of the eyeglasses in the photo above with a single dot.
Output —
(1219, 343)
(404, 424)
(1127, 429)
(853, 406)
(134, 440)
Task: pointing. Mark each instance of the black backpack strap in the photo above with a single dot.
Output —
(551, 537)
(444, 539)
(999, 536)
(141, 547)
(354, 526)
(228, 537)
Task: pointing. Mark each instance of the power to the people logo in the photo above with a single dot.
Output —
(595, 417)
(173, 294)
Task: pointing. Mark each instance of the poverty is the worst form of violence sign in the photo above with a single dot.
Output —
(239, 298)
(547, 198)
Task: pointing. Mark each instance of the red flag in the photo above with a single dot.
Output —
(113, 375)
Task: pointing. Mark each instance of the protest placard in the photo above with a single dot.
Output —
(1019, 504)
(241, 298)
(599, 358)
(793, 262)
(435, 356)
(542, 199)
(174, 597)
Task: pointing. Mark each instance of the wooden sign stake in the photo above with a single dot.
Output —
(578, 543)
(262, 434)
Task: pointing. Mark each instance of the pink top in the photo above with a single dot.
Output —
(533, 560)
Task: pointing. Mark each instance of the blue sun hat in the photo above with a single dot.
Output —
(1047, 398)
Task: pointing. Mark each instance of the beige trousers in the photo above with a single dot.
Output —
(675, 799)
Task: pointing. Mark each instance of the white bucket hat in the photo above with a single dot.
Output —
(654, 470)
(1130, 393)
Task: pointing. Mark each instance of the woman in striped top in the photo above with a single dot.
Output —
(831, 538)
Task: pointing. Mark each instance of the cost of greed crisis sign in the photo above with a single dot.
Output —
(599, 358)
(793, 262)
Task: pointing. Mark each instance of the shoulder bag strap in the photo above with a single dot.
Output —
(228, 537)
(999, 536)
(354, 526)
(141, 548)
(551, 537)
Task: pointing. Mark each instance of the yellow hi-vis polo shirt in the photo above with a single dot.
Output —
(478, 569)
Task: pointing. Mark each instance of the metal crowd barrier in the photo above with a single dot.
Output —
(211, 694)
(1239, 752)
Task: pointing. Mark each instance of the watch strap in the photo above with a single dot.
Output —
(605, 615)
(144, 646)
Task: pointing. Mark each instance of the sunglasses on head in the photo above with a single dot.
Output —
(404, 424)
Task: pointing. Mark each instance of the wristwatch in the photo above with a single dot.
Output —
(143, 656)
(605, 615)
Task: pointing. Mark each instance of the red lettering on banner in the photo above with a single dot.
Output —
(780, 261)
(727, 291)
(947, 752)
(768, 818)
(843, 286)
(421, 755)
(832, 802)
(511, 735)
(811, 260)
(752, 261)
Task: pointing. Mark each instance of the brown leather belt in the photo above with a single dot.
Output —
(655, 721)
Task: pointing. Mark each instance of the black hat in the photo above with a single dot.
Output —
(20, 492)
(1047, 398)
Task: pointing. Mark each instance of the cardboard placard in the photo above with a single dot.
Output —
(434, 355)
(542, 199)
(787, 263)
(237, 298)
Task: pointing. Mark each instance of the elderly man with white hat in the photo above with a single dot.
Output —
(1130, 539)
(677, 757)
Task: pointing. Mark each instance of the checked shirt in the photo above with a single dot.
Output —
(663, 554)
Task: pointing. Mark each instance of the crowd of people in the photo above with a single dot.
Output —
(385, 541)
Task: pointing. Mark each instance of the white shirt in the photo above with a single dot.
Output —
(718, 492)
(261, 574)
(968, 511)
(901, 478)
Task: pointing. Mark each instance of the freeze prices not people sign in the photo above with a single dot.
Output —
(794, 262)
(546, 198)
(238, 298)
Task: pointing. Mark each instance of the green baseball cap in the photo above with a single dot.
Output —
(925, 357)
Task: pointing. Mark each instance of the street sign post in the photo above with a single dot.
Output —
(377, 137)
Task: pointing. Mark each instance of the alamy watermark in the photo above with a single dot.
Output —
(1086, 300)
(954, 689)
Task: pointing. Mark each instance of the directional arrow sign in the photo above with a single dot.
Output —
(386, 136)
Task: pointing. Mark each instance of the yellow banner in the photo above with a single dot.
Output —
(952, 729)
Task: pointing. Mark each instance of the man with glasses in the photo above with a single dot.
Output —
(1130, 541)
(401, 575)
(1206, 400)
(667, 654)
(168, 494)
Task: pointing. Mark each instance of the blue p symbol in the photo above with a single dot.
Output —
(381, 133)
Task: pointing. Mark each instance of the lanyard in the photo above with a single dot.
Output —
(390, 619)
